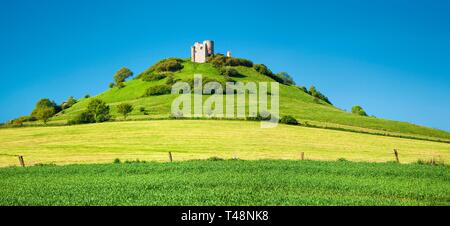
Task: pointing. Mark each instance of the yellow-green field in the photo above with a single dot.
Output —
(201, 139)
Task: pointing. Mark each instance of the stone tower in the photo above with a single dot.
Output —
(201, 51)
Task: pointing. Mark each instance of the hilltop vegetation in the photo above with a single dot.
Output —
(151, 90)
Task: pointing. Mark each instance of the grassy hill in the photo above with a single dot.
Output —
(272, 173)
(293, 101)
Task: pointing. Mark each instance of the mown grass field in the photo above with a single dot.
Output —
(201, 139)
(231, 182)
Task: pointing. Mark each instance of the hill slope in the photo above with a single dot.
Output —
(293, 101)
(201, 139)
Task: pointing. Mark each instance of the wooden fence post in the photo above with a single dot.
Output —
(302, 156)
(21, 161)
(396, 156)
(170, 156)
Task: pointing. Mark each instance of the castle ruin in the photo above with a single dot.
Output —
(201, 51)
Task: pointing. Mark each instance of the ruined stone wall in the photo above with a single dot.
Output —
(201, 51)
(209, 46)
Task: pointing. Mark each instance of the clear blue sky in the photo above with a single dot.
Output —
(391, 57)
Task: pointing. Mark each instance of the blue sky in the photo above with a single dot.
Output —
(391, 57)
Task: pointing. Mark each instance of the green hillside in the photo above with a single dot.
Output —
(293, 101)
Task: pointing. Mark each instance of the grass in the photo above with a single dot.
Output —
(227, 183)
(293, 102)
(193, 139)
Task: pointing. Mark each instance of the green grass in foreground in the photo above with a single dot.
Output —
(273, 182)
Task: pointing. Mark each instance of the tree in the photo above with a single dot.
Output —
(69, 103)
(121, 75)
(261, 68)
(84, 117)
(358, 110)
(125, 109)
(43, 108)
(315, 93)
(45, 113)
(287, 79)
(99, 110)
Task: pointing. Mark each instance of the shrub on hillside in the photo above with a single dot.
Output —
(120, 77)
(315, 93)
(82, 118)
(217, 60)
(358, 110)
(261, 68)
(167, 65)
(261, 116)
(286, 78)
(171, 64)
(97, 111)
(158, 90)
(230, 61)
(45, 109)
(20, 120)
(45, 103)
(69, 103)
(287, 119)
(124, 109)
(229, 72)
(220, 61)
(45, 114)
(154, 77)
